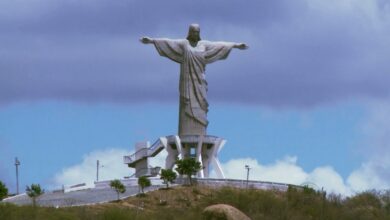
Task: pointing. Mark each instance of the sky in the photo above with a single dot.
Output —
(308, 102)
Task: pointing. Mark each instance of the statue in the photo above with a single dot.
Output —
(193, 54)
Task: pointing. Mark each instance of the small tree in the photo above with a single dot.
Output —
(118, 186)
(188, 166)
(34, 192)
(143, 182)
(3, 191)
(168, 176)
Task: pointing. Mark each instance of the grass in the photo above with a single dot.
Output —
(188, 203)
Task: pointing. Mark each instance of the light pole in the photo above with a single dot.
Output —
(97, 170)
(247, 175)
(17, 164)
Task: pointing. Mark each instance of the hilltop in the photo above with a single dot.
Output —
(185, 202)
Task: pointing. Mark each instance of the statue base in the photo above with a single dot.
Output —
(203, 148)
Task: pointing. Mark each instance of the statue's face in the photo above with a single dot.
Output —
(194, 33)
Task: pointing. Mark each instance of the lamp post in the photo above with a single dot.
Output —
(97, 170)
(17, 164)
(247, 175)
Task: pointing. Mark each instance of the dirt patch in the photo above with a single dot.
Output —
(223, 212)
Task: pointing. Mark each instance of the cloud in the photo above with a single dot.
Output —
(285, 170)
(288, 171)
(375, 171)
(302, 53)
(112, 167)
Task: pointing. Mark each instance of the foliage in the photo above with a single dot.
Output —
(188, 166)
(34, 191)
(143, 182)
(168, 176)
(118, 186)
(3, 191)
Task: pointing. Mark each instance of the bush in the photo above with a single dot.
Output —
(168, 176)
(118, 186)
(143, 182)
(34, 191)
(3, 191)
(188, 166)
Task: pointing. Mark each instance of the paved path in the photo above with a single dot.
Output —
(77, 198)
(103, 193)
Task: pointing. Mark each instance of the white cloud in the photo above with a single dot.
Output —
(375, 171)
(368, 176)
(112, 167)
(286, 170)
(372, 174)
(328, 178)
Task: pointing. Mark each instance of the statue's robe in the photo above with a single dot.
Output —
(193, 86)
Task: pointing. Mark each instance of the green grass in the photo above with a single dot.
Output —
(188, 203)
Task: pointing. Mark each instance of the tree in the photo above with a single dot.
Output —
(3, 191)
(168, 176)
(118, 186)
(188, 166)
(143, 182)
(34, 192)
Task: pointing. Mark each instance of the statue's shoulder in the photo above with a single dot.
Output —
(205, 42)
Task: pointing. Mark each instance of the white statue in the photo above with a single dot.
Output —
(193, 54)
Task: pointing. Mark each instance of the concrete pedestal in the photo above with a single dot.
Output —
(204, 148)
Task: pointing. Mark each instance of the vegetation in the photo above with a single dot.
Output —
(188, 167)
(118, 186)
(34, 191)
(143, 182)
(189, 202)
(3, 191)
(168, 176)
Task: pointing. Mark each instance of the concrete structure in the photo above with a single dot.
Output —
(204, 148)
(193, 54)
(140, 159)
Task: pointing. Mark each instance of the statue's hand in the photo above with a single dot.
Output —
(241, 46)
(146, 40)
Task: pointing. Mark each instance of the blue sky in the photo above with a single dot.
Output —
(310, 95)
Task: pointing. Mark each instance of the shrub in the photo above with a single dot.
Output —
(168, 176)
(34, 192)
(118, 186)
(189, 167)
(3, 191)
(143, 182)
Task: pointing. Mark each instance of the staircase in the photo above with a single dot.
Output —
(139, 160)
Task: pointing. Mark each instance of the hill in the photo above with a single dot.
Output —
(184, 202)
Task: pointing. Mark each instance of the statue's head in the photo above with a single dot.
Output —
(194, 33)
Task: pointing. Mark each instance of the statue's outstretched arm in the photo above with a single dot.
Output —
(241, 46)
(146, 40)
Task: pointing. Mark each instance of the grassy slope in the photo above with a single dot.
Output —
(188, 202)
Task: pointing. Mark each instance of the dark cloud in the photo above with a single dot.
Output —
(302, 53)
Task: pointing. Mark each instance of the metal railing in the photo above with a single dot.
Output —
(144, 152)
